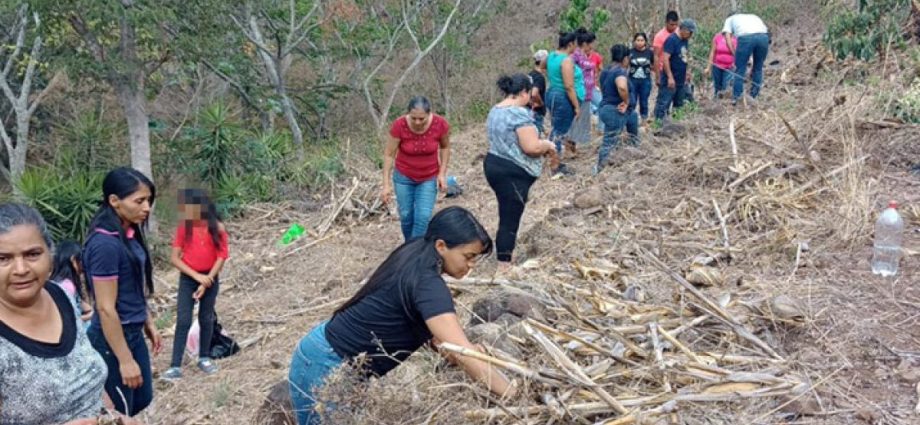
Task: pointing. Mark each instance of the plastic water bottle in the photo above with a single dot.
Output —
(889, 231)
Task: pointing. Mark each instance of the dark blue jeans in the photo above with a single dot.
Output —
(313, 360)
(614, 121)
(721, 80)
(185, 305)
(756, 45)
(139, 398)
(643, 88)
(538, 121)
(563, 113)
(416, 202)
(668, 97)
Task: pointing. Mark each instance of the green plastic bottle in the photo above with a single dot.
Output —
(292, 234)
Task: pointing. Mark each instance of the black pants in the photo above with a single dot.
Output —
(187, 288)
(511, 185)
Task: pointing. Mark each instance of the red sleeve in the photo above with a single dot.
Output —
(445, 126)
(396, 128)
(224, 250)
(179, 238)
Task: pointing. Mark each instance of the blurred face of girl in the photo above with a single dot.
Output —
(190, 212)
(25, 265)
(639, 43)
(134, 208)
(418, 119)
(587, 48)
(459, 260)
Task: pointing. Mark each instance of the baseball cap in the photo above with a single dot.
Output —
(540, 55)
(688, 24)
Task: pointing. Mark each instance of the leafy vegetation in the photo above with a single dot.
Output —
(867, 31)
(579, 14)
(66, 200)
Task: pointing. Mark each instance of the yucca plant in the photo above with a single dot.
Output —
(67, 202)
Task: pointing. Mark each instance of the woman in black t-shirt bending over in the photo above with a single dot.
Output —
(403, 305)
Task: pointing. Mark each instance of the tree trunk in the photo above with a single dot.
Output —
(134, 106)
(130, 94)
(18, 154)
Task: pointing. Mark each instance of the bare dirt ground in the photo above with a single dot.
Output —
(799, 200)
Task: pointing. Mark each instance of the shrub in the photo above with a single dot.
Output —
(867, 31)
(66, 201)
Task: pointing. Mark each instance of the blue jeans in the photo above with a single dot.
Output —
(416, 202)
(313, 360)
(614, 121)
(721, 80)
(563, 113)
(596, 98)
(127, 401)
(643, 88)
(756, 45)
(667, 97)
(538, 121)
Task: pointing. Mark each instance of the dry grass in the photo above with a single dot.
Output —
(800, 226)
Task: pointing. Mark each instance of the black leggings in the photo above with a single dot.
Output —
(187, 288)
(511, 185)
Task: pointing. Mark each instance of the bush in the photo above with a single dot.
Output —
(867, 31)
(66, 201)
(907, 106)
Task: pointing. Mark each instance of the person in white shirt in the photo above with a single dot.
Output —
(753, 40)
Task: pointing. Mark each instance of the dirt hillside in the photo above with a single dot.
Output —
(790, 212)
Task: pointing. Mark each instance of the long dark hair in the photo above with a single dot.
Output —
(122, 182)
(65, 252)
(453, 225)
(208, 212)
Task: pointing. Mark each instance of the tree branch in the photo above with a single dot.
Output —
(88, 37)
(20, 41)
(418, 59)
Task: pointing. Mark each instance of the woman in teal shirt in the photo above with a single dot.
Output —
(566, 88)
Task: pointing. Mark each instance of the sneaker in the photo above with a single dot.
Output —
(562, 171)
(172, 374)
(207, 366)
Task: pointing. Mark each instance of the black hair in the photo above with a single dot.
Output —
(584, 36)
(14, 214)
(640, 34)
(406, 265)
(513, 84)
(672, 16)
(419, 102)
(566, 38)
(64, 254)
(208, 212)
(618, 52)
(122, 182)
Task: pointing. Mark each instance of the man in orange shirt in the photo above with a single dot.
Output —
(672, 20)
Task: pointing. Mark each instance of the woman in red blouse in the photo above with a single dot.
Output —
(419, 146)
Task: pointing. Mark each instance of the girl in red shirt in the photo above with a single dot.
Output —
(199, 251)
(419, 146)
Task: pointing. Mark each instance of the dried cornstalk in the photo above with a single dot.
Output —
(739, 329)
(571, 368)
(509, 366)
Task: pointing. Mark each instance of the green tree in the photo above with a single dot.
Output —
(124, 43)
(579, 14)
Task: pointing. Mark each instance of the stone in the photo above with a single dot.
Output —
(590, 198)
(277, 408)
(867, 415)
(493, 335)
(704, 276)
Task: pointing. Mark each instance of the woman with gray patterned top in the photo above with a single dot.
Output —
(49, 372)
(515, 160)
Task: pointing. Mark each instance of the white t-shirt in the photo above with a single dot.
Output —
(742, 24)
